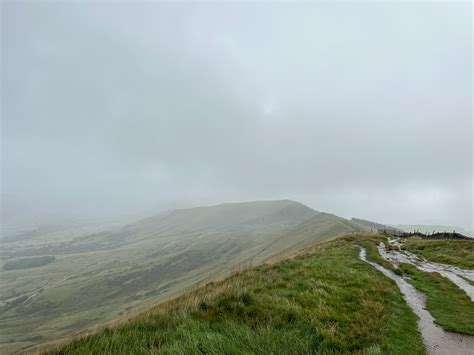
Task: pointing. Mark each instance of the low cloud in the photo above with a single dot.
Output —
(360, 109)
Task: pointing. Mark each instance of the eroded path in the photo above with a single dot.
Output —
(457, 275)
(436, 340)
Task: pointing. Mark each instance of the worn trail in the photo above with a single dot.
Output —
(457, 275)
(436, 340)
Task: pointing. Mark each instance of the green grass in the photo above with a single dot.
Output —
(454, 252)
(98, 277)
(451, 307)
(323, 301)
(459, 316)
(370, 244)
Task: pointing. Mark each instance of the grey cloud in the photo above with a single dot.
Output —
(361, 109)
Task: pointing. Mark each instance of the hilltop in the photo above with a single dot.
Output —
(275, 276)
(98, 277)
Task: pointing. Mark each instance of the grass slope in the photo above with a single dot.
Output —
(370, 245)
(223, 216)
(455, 252)
(440, 292)
(316, 229)
(369, 224)
(107, 275)
(323, 301)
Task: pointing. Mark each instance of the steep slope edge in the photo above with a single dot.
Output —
(292, 306)
(99, 277)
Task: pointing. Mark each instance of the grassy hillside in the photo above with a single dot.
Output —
(283, 212)
(455, 252)
(323, 301)
(369, 224)
(440, 292)
(318, 228)
(99, 277)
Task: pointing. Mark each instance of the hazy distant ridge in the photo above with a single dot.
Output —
(112, 273)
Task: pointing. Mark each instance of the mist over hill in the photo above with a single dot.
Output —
(130, 106)
(126, 124)
(100, 276)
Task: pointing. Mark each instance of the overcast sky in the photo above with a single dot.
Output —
(359, 109)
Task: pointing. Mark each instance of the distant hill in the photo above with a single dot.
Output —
(101, 276)
(318, 228)
(370, 224)
(282, 213)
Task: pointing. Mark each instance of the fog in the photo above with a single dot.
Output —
(358, 108)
